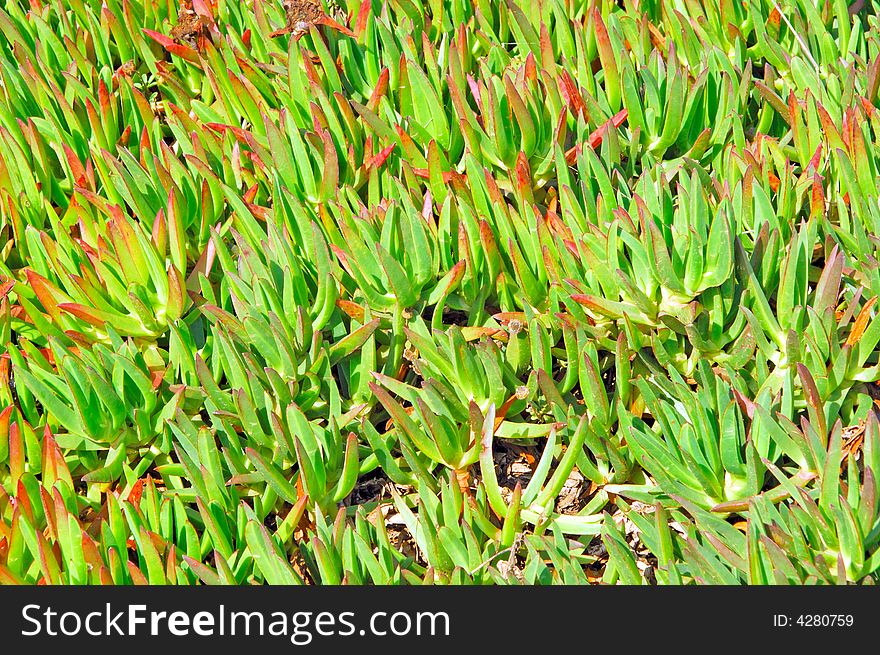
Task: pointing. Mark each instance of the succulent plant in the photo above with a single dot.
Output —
(439, 293)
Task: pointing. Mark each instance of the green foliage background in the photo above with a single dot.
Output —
(488, 292)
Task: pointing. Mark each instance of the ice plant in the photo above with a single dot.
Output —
(384, 292)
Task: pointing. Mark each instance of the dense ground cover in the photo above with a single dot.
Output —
(400, 292)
